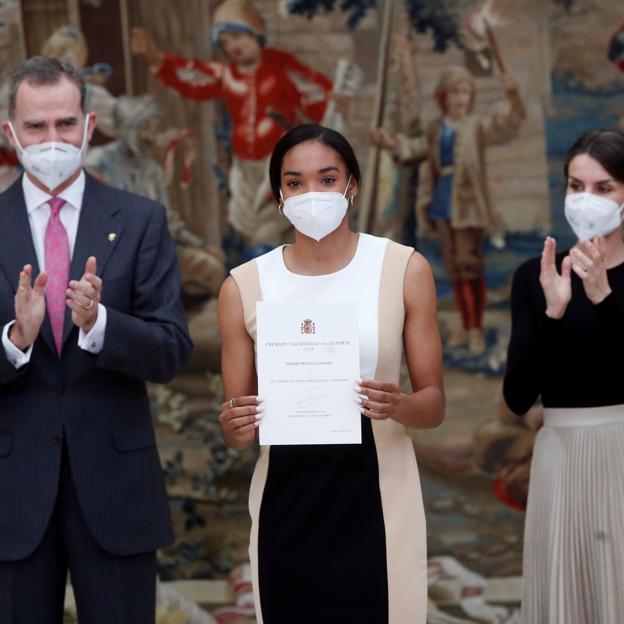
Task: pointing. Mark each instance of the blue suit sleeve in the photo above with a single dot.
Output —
(8, 372)
(151, 341)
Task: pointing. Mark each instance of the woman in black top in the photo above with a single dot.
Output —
(567, 333)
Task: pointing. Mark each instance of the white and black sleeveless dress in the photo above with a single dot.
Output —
(338, 531)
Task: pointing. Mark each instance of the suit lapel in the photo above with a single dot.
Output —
(98, 220)
(17, 247)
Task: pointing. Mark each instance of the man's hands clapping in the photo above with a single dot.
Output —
(83, 297)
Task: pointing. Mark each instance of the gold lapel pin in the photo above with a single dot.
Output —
(112, 236)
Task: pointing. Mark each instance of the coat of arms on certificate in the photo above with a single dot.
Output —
(308, 327)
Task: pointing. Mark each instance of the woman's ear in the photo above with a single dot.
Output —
(352, 189)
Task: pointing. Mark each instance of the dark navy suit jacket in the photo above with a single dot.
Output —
(98, 401)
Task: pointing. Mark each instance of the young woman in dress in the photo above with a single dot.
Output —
(338, 531)
(567, 336)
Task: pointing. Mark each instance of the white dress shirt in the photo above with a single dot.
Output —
(38, 215)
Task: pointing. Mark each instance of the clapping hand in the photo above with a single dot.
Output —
(83, 297)
(30, 308)
(589, 263)
(557, 287)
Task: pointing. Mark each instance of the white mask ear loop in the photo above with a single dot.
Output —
(84, 134)
(350, 198)
(280, 204)
(19, 145)
(347, 187)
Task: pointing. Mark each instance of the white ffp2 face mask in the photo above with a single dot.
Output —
(53, 162)
(590, 215)
(317, 213)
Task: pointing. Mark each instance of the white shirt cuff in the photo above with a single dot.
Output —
(94, 340)
(16, 356)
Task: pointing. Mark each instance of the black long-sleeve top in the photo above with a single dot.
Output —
(572, 362)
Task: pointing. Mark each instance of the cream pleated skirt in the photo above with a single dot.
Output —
(573, 567)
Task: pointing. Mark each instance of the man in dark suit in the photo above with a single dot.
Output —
(81, 486)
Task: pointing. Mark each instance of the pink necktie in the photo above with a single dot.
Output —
(57, 266)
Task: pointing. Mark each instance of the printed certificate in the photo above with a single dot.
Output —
(308, 363)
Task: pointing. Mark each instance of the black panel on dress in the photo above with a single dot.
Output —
(321, 542)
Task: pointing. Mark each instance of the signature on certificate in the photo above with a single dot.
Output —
(310, 396)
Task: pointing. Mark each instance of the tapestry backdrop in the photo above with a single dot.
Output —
(176, 123)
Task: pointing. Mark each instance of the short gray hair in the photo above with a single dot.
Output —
(44, 70)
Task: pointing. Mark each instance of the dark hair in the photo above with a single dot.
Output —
(43, 70)
(604, 145)
(311, 132)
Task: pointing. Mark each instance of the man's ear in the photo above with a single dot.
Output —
(91, 123)
(6, 130)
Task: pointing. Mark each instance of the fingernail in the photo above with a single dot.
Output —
(259, 399)
(259, 408)
(258, 417)
(257, 424)
(358, 388)
(359, 380)
(358, 400)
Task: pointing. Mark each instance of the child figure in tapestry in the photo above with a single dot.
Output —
(453, 200)
(132, 163)
(263, 89)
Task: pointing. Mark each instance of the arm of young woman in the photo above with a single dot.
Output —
(241, 411)
(424, 407)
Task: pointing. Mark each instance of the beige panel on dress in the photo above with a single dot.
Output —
(248, 280)
(399, 482)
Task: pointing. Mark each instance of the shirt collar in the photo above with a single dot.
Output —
(35, 197)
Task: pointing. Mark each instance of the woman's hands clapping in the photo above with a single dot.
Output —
(588, 260)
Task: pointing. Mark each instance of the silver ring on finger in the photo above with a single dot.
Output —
(232, 402)
(88, 307)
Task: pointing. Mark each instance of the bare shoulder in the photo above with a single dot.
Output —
(229, 290)
(419, 285)
(418, 269)
(230, 303)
